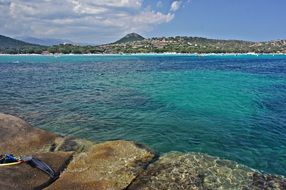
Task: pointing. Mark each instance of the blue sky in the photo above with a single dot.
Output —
(101, 21)
(229, 19)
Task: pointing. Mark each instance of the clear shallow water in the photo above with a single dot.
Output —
(228, 106)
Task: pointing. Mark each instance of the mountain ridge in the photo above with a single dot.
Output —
(134, 43)
(44, 41)
(8, 42)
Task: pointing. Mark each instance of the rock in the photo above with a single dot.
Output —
(116, 165)
(265, 181)
(178, 171)
(18, 137)
(71, 144)
(24, 177)
(106, 166)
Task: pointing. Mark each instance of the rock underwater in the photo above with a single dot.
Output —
(178, 171)
(116, 165)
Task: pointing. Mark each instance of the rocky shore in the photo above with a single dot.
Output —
(116, 165)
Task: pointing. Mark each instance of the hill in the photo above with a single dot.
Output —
(12, 46)
(134, 43)
(132, 37)
(183, 44)
(179, 44)
(7, 42)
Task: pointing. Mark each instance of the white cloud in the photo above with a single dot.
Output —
(80, 20)
(175, 6)
(81, 8)
(112, 3)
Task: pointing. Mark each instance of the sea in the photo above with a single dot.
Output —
(230, 106)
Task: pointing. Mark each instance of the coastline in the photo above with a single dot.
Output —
(118, 164)
(155, 54)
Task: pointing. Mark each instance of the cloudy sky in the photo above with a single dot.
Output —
(101, 21)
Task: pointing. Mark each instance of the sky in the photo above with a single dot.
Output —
(104, 21)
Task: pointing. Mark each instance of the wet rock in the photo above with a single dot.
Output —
(116, 165)
(72, 144)
(111, 165)
(177, 171)
(69, 144)
(264, 181)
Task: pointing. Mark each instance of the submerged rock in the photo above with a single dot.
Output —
(178, 171)
(111, 165)
(116, 165)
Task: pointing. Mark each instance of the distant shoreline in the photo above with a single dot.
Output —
(154, 54)
(135, 44)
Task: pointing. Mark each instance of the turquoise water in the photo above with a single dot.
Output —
(228, 106)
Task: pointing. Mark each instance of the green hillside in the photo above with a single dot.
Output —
(134, 43)
(12, 46)
(6, 42)
(183, 44)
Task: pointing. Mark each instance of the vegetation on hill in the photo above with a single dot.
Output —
(13, 46)
(195, 45)
(74, 49)
(134, 43)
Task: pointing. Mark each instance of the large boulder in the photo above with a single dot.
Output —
(111, 165)
(106, 166)
(116, 165)
(19, 138)
(178, 171)
(24, 177)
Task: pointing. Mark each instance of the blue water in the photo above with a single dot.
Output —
(228, 106)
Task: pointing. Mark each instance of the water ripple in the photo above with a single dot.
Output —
(232, 107)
